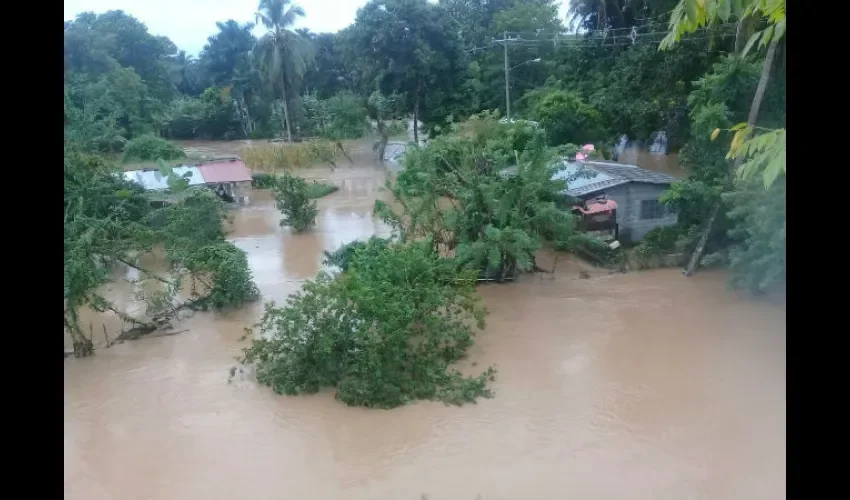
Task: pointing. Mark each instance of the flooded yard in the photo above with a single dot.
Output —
(644, 385)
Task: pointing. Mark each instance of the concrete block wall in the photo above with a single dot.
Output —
(628, 198)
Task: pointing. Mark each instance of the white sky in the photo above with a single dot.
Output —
(188, 23)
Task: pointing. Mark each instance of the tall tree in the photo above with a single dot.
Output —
(769, 152)
(282, 48)
(414, 50)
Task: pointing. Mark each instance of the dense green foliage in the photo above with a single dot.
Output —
(344, 255)
(110, 222)
(292, 198)
(149, 147)
(342, 116)
(379, 333)
(383, 334)
(491, 222)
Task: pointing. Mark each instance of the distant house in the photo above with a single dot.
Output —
(229, 178)
(634, 190)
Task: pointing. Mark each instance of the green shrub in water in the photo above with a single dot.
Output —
(262, 181)
(383, 334)
(292, 198)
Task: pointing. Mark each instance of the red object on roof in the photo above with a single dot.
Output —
(224, 171)
(597, 206)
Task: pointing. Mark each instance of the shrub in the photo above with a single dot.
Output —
(320, 189)
(292, 198)
(383, 334)
(149, 147)
(262, 181)
(566, 117)
(342, 256)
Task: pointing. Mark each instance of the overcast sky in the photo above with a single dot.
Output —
(188, 23)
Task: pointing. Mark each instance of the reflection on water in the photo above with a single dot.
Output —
(631, 386)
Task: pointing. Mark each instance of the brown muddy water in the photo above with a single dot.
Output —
(623, 386)
(659, 162)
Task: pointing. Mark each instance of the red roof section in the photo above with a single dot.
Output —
(224, 171)
(597, 206)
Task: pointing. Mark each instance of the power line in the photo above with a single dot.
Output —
(573, 40)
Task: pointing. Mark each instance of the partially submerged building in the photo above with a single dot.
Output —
(229, 178)
(615, 201)
(626, 193)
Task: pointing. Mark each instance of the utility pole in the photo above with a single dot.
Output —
(507, 77)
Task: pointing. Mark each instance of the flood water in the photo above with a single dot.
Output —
(658, 162)
(644, 385)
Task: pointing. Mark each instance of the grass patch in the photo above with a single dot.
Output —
(320, 189)
(314, 189)
(277, 157)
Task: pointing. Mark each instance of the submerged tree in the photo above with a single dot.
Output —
(109, 223)
(459, 191)
(292, 198)
(383, 334)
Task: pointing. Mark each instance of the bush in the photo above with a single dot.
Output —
(383, 334)
(228, 274)
(342, 256)
(565, 116)
(656, 244)
(758, 256)
(320, 189)
(262, 181)
(149, 147)
(342, 116)
(292, 198)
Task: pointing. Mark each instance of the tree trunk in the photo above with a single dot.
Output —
(285, 110)
(382, 144)
(740, 33)
(416, 120)
(751, 121)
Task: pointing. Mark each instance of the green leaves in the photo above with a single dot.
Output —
(383, 334)
(763, 153)
(292, 198)
(691, 15)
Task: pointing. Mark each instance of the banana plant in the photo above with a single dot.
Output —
(764, 152)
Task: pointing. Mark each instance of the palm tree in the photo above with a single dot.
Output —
(596, 14)
(282, 49)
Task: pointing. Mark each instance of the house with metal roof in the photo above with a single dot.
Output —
(634, 192)
(229, 178)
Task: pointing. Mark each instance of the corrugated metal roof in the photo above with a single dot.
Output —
(593, 176)
(224, 171)
(632, 172)
(582, 180)
(152, 180)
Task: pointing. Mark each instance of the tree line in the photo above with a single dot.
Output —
(439, 63)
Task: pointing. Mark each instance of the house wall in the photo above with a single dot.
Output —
(628, 198)
(243, 192)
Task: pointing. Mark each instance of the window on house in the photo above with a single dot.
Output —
(651, 209)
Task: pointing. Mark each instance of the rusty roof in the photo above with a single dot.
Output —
(224, 171)
(597, 206)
